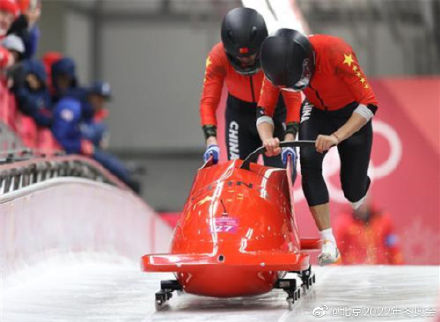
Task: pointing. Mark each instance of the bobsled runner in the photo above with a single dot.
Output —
(237, 234)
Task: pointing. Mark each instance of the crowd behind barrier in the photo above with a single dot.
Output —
(20, 130)
(52, 138)
(43, 102)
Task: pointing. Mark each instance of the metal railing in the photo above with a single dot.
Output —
(19, 169)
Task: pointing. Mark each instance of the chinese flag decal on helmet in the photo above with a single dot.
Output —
(243, 32)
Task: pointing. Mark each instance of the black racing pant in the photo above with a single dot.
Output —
(241, 130)
(354, 154)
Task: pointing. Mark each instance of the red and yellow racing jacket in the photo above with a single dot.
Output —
(338, 79)
(246, 88)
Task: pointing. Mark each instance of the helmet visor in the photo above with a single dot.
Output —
(245, 66)
(304, 80)
(306, 75)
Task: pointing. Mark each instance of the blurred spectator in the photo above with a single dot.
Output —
(366, 236)
(32, 95)
(25, 25)
(49, 59)
(93, 128)
(64, 79)
(8, 12)
(70, 113)
(15, 45)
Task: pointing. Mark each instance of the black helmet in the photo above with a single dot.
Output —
(288, 59)
(243, 31)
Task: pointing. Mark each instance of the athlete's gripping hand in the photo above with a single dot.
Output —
(272, 146)
(212, 150)
(325, 142)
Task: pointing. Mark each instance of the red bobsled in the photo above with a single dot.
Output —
(237, 234)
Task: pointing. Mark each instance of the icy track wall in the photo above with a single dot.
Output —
(72, 215)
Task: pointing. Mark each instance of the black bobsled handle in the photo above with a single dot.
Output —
(252, 157)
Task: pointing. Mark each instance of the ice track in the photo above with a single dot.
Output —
(96, 287)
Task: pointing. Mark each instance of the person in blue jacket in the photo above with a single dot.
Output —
(32, 94)
(93, 128)
(68, 116)
(64, 80)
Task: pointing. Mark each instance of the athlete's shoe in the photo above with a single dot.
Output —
(329, 253)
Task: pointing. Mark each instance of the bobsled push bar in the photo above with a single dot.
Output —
(252, 157)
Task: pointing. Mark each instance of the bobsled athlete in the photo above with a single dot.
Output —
(337, 111)
(235, 63)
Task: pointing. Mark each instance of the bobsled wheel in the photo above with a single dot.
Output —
(161, 298)
(309, 281)
(307, 278)
(289, 286)
(170, 285)
(166, 292)
(292, 297)
(159, 304)
(297, 294)
(290, 303)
